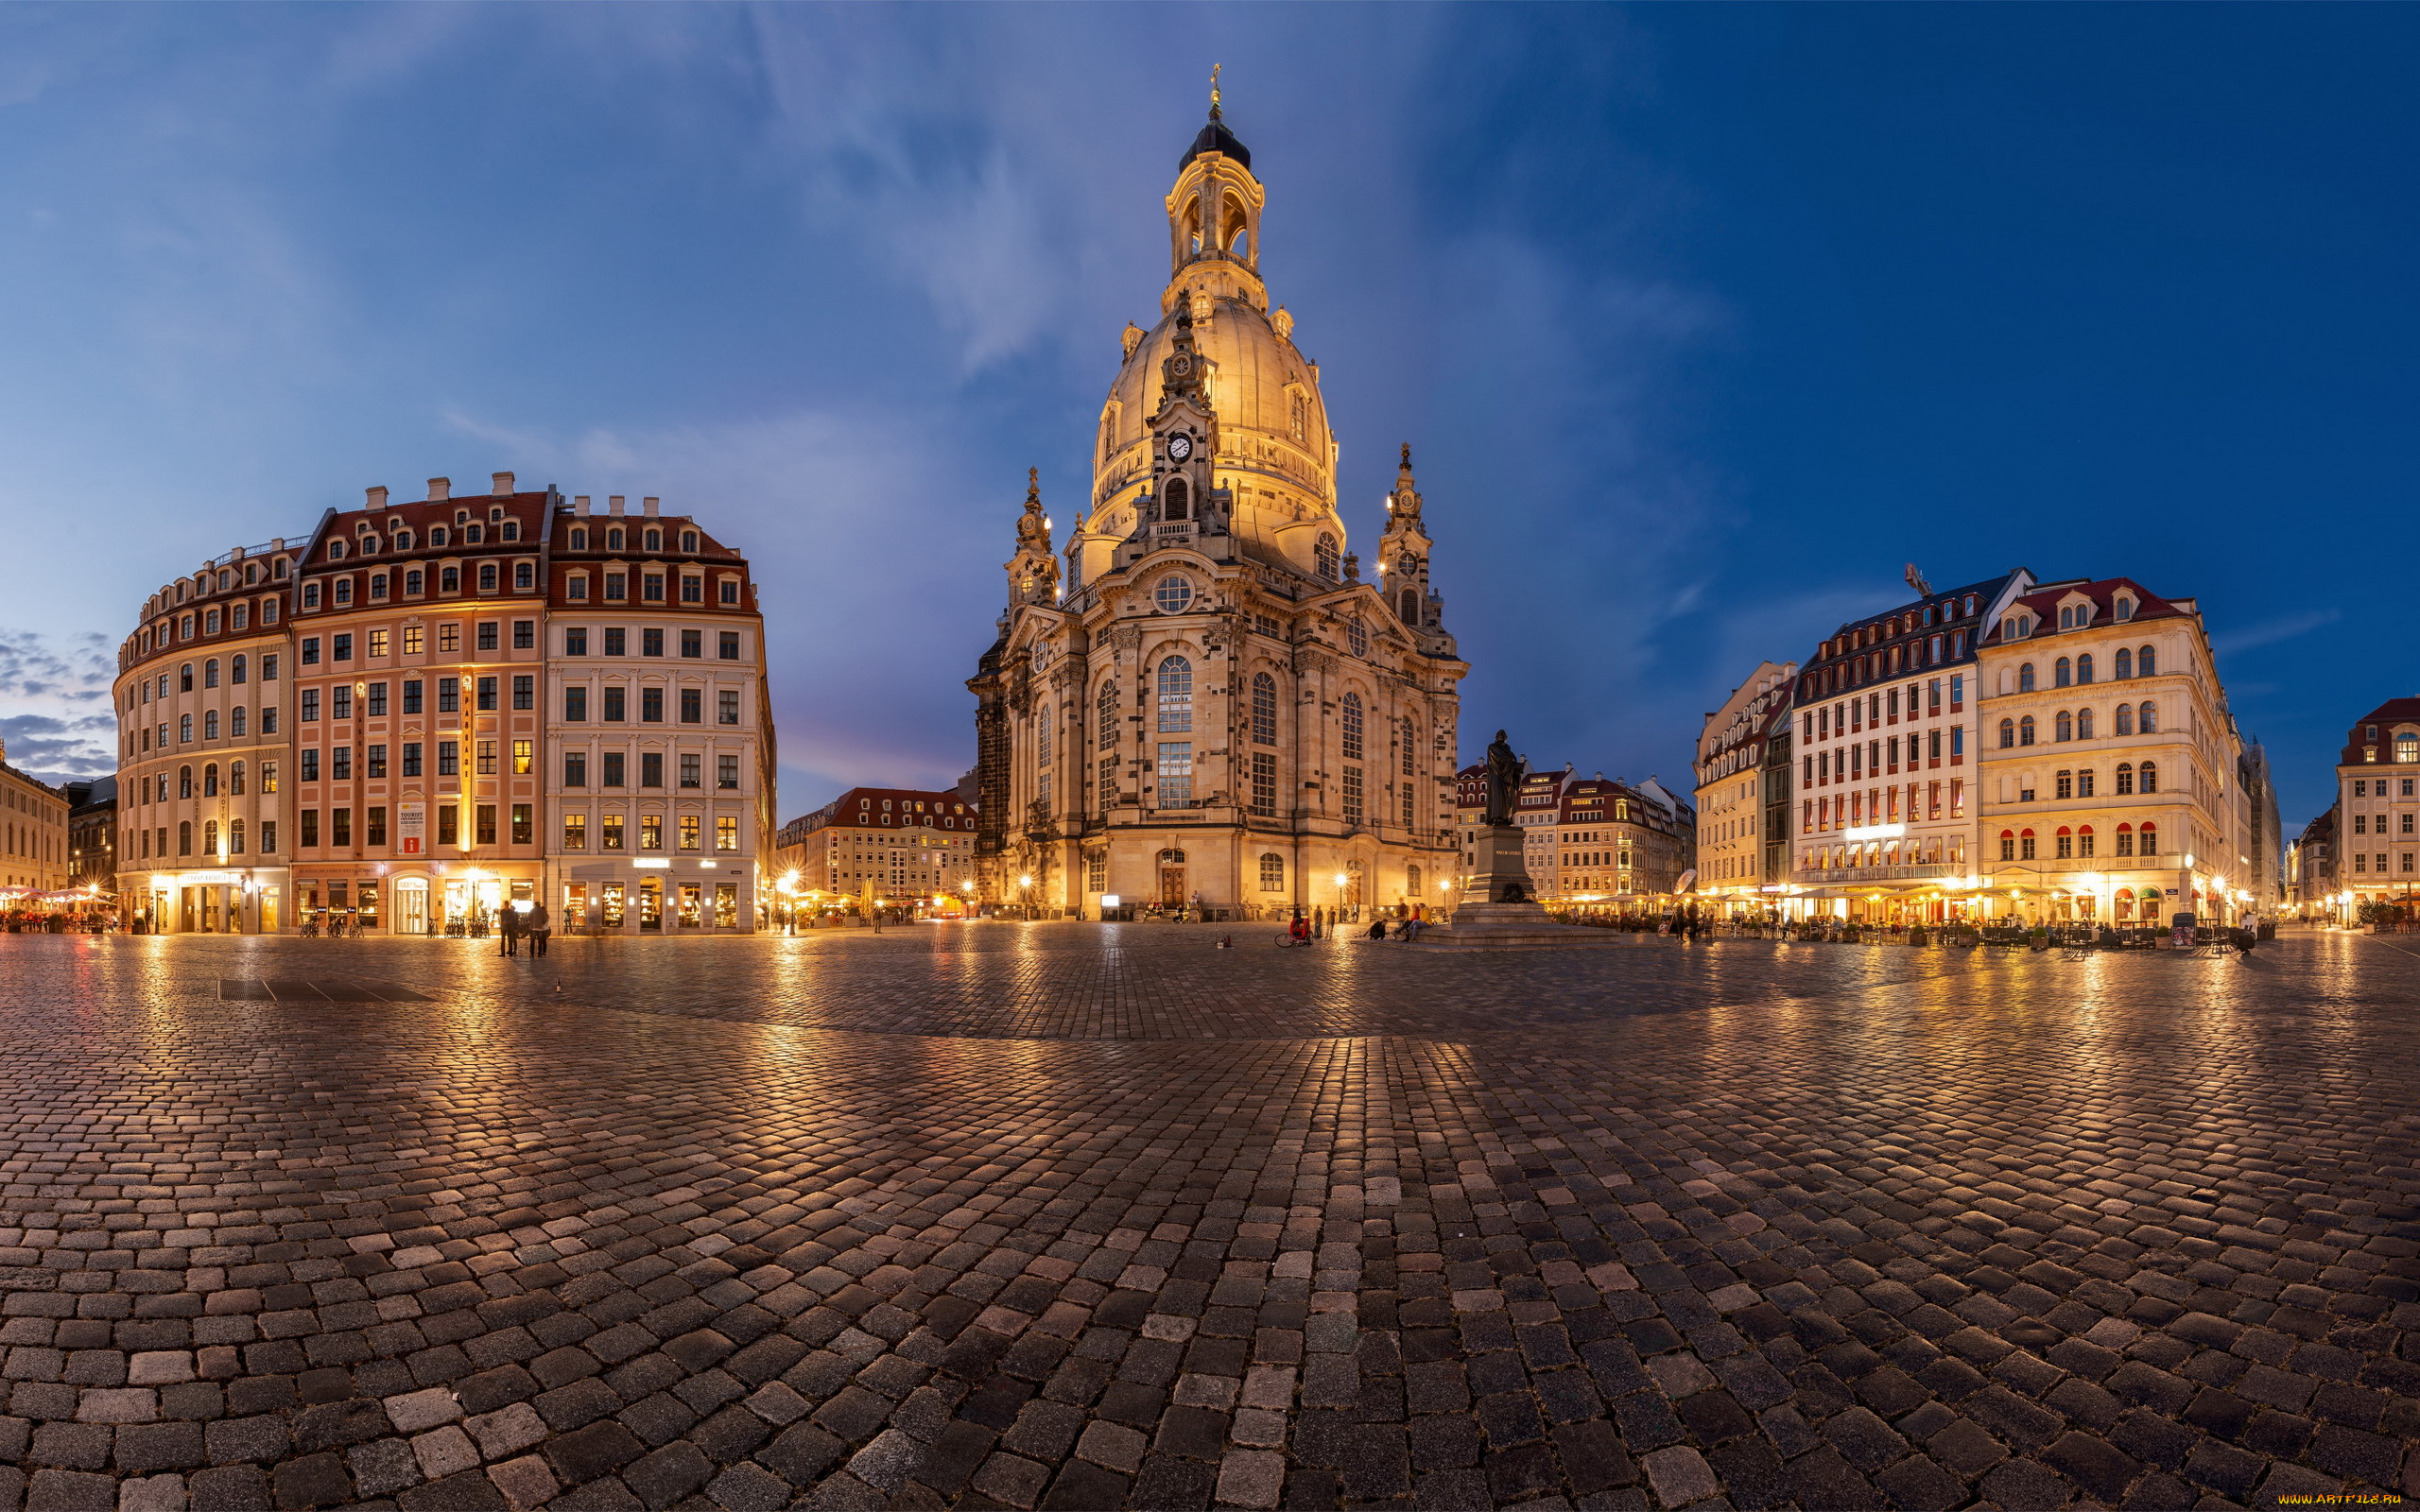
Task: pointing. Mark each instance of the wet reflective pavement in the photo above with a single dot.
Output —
(1064, 1216)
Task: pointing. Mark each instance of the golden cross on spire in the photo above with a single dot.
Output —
(1213, 89)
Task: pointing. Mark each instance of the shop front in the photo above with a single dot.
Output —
(235, 901)
(441, 899)
(651, 896)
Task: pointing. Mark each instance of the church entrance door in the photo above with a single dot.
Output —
(1171, 886)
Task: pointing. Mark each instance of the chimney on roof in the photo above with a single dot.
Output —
(440, 488)
(579, 504)
(648, 505)
(613, 503)
(500, 484)
(376, 496)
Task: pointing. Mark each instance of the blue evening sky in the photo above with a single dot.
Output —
(1701, 320)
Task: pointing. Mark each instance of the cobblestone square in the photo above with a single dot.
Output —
(1000, 1216)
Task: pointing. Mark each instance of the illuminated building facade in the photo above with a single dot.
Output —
(1888, 720)
(1735, 867)
(33, 837)
(1207, 707)
(205, 703)
(2109, 761)
(658, 770)
(417, 661)
(2377, 809)
(907, 845)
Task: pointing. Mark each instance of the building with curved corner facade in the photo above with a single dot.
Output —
(1198, 702)
(205, 708)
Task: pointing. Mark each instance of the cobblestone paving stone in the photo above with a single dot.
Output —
(1059, 1216)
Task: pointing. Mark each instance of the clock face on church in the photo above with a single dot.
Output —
(1180, 447)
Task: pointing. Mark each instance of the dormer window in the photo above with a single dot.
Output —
(402, 541)
(614, 539)
(512, 530)
(335, 551)
(688, 540)
(474, 534)
(496, 512)
(436, 535)
(655, 540)
(578, 539)
(2125, 608)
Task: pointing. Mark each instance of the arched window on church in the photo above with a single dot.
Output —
(1408, 737)
(1176, 696)
(1352, 727)
(1301, 421)
(1107, 716)
(1193, 227)
(1044, 745)
(1411, 880)
(1263, 708)
(1272, 871)
(1407, 605)
(1236, 229)
(1324, 557)
(1108, 432)
(1175, 500)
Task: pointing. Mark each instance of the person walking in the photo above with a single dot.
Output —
(540, 928)
(508, 932)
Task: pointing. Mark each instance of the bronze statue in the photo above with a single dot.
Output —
(1505, 773)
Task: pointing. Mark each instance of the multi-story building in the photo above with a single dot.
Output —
(903, 845)
(417, 661)
(2378, 804)
(1214, 710)
(204, 706)
(2262, 851)
(1779, 766)
(430, 709)
(2314, 869)
(2109, 760)
(1887, 720)
(1588, 839)
(92, 834)
(33, 835)
(659, 780)
(1733, 775)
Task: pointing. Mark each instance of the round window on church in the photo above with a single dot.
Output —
(1041, 655)
(1172, 596)
(1358, 637)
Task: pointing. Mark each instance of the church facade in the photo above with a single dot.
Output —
(1198, 701)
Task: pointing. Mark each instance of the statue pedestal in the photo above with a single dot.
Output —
(1501, 911)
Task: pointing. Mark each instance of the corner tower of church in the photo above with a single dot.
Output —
(1209, 710)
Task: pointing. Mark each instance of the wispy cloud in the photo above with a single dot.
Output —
(2277, 627)
(55, 711)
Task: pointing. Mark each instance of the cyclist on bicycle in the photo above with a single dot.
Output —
(1299, 928)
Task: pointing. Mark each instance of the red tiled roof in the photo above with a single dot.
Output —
(2044, 606)
(2386, 715)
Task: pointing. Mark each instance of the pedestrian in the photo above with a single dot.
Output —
(509, 932)
(540, 928)
(1378, 929)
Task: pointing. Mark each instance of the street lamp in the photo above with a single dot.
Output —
(1340, 880)
(1025, 892)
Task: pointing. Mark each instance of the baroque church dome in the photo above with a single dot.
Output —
(1273, 447)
